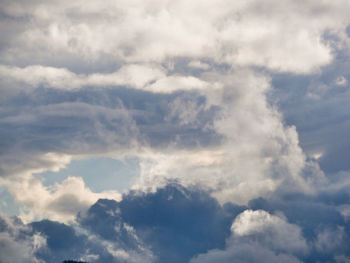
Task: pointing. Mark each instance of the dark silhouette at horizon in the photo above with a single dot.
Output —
(74, 261)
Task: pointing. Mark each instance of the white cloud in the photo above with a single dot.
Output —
(174, 83)
(20, 163)
(144, 77)
(258, 236)
(66, 45)
(345, 211)
(59, 202)
(279, 36)
(270, 230)
(258, 153)
(14, 251)
(244, 253)
(16, 246)
(341, 81)
(136, 76)
(198, 64)
(138, 254)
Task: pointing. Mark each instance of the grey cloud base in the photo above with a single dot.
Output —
(177, 224)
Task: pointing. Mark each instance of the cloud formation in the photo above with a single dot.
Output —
(17, 244)
(235, 112)
(282, 37)
(178, 224)
(258, 236)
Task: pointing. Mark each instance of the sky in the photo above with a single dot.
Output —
(175, 131)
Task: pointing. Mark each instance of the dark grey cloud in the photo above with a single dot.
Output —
(172, 224)
(320, 219)
(95, 120)
(65, 242)
(175, 222)
(61, 241)
(178, 224)
(110, 107)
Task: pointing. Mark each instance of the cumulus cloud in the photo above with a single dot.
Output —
(178, 224)
(318, 107)
(270, 230)
(60, 202)
(257, 154)
(228, 121)
(319, 218)
(247, 102)
(282, 37)
(174, 222)
(17, 244)
(258, 236)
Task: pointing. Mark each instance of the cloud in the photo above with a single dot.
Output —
(144, 77)
(257, 154)
(134, 75)
(244, 253)
(258, 236)
(270, 230)
(166, 97)
(65, 242)
(317, 106)
(110, 120)
(178, 224)
(228, 138)
(286, 37)
(233, 125)
(17, 244)
(245, 108)
(61, 202)
(174, 222)
(319, 218)
(198, 64)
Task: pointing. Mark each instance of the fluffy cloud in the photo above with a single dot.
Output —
(317, 106)
(174, 222)
(270, 230)
(177, 224)
(258, 236)
(192, 104)
(229, 138)
(282, 37)
(171, 224)
(17, 244)
(60, 202)
(248, 102)
(257, 154)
